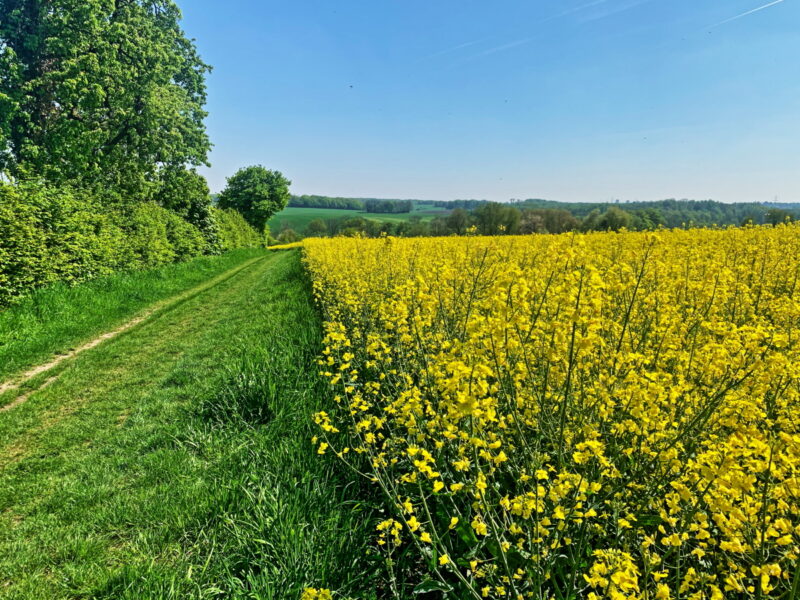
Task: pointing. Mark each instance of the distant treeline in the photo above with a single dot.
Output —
(389, 206)
(453, 204)
(541, 217)
(326, 202)
(370, 205)
(672, 213)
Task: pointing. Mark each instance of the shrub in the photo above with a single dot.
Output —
(50, 234)
(235, 232)
(288, 236)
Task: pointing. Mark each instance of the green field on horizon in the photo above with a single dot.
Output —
(297, 218)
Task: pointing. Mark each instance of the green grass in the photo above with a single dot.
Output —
(56, 318)
(299, 218)
(174, 460)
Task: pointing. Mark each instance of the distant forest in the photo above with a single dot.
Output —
(675, 213)
(533, 216)
(371, 205)
(326, 202)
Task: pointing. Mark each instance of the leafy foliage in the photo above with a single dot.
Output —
(257, 193)
(326, 202)
(234, 231)
(50, 234)
(99, 94)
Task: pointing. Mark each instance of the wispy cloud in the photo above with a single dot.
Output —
(456, 48)
(506, 46)
(611, 10)
(749, 12)
(615, 10)
(573, 10)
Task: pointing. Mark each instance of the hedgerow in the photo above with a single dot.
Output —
(50, 234)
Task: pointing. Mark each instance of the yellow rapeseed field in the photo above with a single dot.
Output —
(575, 416)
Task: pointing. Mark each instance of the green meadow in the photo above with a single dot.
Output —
(298, 218)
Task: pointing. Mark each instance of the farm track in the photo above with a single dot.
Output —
(93, 477)
(18, 382)
(146, 338)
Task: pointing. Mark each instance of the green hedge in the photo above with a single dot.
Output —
(235, 232)
(57, 234)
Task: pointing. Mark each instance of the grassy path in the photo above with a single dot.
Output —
(59, 318)
(18, 381)
(173, 460)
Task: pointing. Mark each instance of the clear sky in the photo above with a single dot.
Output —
(562, 99)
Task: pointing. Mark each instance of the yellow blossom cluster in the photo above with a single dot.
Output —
(577, 416)
(286, 246)
(316, 594)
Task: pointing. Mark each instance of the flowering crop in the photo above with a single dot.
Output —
(576, 416)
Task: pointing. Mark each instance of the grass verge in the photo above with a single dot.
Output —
(56, 318)
(174, 461)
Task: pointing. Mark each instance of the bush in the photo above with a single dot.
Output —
(50, 234)
(288, 236)
(146, 240)
(235, 232)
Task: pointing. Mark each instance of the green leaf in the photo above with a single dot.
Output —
(429, 585)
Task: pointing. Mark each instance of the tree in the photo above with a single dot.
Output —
(591, 221)
(532, 222)
(182, 190)
(548, 220)
(497, 219)
(316, 228)
(257, 193)
(373, 205)
(776, 216)
(458, 221)
(615, 219)
(102, 93)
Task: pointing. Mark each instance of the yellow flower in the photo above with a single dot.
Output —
(571, 383)
(316, 594)
(479, 526)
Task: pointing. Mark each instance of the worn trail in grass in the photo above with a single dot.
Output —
(19, 380)
(173, 460)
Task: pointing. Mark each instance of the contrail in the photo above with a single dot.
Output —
(527, 40)
(616, 10)
(455, 48)
(749, 12)
(506, 46)
(574, 10)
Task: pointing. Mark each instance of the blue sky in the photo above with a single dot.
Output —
(562, 99)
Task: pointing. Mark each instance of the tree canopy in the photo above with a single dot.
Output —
(99, 93)
(257, 193)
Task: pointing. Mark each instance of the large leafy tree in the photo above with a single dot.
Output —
(257, 193)
(103, 93)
